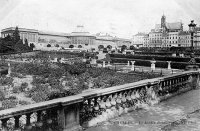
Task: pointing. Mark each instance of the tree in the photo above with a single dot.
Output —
(26, 47)
(132, 47)
(79, 46)
(57, 45)
(109, 47)
(123, 47)
(16, 36)
(32, 46)
(100, 47)
(49, 45)
(71, 46)
(19, 46)
(7, 38)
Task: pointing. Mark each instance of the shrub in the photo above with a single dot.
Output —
(6, 81)
(77, 68)
(23, 86)
(9, 103)
(16, 89)
(22, 102)
(12, 98)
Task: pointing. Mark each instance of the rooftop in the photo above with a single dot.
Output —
(184, 33)
(174, 26)
(20, 29)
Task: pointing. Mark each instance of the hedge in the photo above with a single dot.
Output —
(161, 64)
(157, 58)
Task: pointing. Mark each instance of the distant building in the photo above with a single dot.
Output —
(138, 39)
(184, 39)
(80, 38)
(163, 35)
(197, 38)
(155, 39)
(30, 34)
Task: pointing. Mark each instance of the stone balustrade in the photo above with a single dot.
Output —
(95, 106)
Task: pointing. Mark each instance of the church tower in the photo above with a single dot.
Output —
(163, 21)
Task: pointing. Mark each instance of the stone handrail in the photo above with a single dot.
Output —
(84, 109)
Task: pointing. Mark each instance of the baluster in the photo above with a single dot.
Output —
(113, 101)
(4, 124)
(90, 105)
(96, 106)
(124, 100)
(108, 99)
(39, 119)
(16, 122)
(28, 122)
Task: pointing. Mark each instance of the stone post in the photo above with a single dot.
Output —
(109, 63)
(104, 64)
(68, 114)
(133, 66)
(153, 67)
(9, 69)
(128, 64)
(55, 59)
(169, 65)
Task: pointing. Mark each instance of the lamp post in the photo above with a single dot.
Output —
(192, 63)
(192, 26)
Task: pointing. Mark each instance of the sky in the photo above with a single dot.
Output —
(122, 18)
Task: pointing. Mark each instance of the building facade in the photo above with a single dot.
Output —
(80, 38)
(138, 39)
(163, 35)
(184, 39)
(30, 34)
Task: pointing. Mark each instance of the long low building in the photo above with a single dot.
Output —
(80, 38)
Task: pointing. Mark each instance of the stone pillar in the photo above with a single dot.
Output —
(169, 65)
(128, 64)
(68, 114)
(109, 63)
(62, 60)
(133, 66)
(104, 64)
(153, 67)
(9, 69)
(174, 54)
(55, 59)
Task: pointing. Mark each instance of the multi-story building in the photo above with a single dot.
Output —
(173, 39)
(184, 39)
(197, 38)
(146, 40)
(155, 39)
(163, 35)
(138, 39)
(30, 34)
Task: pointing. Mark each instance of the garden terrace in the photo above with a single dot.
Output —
(93, 106)
(37, 82)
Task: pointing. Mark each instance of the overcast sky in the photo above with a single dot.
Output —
(122, 18)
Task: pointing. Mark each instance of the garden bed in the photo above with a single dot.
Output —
(36, 82)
